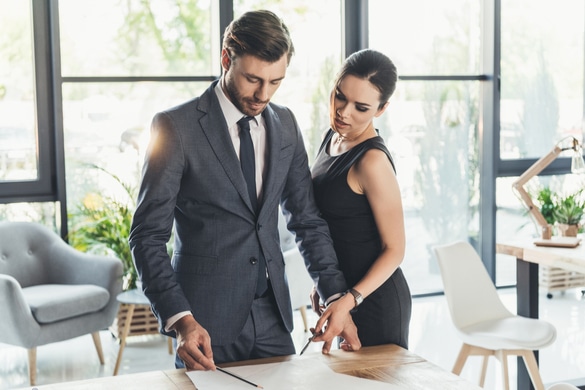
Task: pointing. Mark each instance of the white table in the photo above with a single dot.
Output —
(387, 363)
(528, 257)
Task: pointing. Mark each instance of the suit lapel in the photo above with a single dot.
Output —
(215, 129)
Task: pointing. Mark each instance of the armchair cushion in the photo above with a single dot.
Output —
(55, 302)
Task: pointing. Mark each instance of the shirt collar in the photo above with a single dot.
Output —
(230, 111)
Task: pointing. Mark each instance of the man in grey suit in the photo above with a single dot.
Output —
(224, 294)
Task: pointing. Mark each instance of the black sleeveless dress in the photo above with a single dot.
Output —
(384, 316)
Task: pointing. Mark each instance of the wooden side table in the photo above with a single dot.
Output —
(132, 299)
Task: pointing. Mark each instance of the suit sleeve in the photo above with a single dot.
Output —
(303, 218)
(153, 219)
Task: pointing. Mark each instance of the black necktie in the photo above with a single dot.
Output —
(247, 159)
(248, 163)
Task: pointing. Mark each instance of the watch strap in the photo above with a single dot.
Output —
(357, 296)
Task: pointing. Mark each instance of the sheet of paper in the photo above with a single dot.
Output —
(297, 374)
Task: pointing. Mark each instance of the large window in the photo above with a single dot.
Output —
(115, 81)
(139, 38)
(432, 123)
(80, 102)
(18, 140)
(148, 56)
(542, 75)
(541, 103)
(27, 161)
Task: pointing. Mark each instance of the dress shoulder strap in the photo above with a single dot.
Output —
(345, 161)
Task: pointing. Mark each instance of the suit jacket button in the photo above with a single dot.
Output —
(253, 260)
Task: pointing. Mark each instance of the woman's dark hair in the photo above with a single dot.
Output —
(373, 66)
(258, 33)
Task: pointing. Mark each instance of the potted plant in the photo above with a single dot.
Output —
(546, 198)
(568, 213)
(564, 212)
(101, 224)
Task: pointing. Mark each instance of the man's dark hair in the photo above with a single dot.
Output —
(259, 33)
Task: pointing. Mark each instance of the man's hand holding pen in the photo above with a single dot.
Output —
(193, 344)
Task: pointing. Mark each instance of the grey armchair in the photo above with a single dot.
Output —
(51, 292)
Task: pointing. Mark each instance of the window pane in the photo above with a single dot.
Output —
(137, 38)
(542, 75)
(18, 139)
(108, 125)
(431, 131)
(317, 57)
(42, 212)
(428, 37)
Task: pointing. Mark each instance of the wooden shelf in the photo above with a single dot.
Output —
(143, 321)
(558, 279)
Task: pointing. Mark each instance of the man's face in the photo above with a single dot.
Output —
(250, 82)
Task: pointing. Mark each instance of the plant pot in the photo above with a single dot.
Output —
(568, 230)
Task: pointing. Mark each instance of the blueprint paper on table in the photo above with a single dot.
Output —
(297, 374)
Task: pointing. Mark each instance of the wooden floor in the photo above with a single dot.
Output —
(431, 336)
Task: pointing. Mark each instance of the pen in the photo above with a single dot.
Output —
(238, 377)
(307, 344)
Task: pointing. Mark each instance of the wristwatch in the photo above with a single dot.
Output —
(357, 297)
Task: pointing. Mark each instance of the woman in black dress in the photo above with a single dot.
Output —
(357, 192)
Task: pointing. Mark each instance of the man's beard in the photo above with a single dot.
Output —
(239, 101)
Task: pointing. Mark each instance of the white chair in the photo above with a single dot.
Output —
(300, 283)
(483, 323)
(562, 386)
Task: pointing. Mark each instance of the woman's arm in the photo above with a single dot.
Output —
(374, 177)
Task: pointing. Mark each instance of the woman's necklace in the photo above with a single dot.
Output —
(341, 138)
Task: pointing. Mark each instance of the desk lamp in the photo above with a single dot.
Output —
(577, 166)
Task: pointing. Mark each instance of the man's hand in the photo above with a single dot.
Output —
(193, 344)
(337, 321)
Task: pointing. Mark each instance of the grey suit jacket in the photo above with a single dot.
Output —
(192, 178)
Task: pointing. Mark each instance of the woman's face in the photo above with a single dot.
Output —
(356, 103)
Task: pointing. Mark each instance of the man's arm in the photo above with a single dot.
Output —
(151, 230)
(153, 220)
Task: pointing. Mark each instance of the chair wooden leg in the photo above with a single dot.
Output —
(170, 345)
(532, 367)
(461, 359)
(303, 310)
(125, 332)
(502, 356)
(32, 366)
(473, 350)
(484, 366)
(97, 341)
